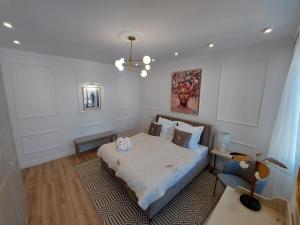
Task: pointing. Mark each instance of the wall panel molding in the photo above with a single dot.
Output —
(125, 123)
(127, 129)
(127, 132)
(97, 76)
(43, 149)
(124, 118)
(86, 129)
(126, 108)
(35, 91)
(243, 144)
(29, 148)
(242, 147)
(152, 90)
(238, 78)
(152, 108)
(58, 101)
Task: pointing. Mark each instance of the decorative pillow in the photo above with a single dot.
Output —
(195, 131)
(154, 129)
(167, 129)
(181, 138)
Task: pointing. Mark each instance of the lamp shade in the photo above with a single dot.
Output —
(224, 137)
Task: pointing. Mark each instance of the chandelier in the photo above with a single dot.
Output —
(141, 66)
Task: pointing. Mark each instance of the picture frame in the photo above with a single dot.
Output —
(91, 95)
(185, 91)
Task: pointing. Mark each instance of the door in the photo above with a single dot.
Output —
(8, 213)
(13, 208)
(17, 188)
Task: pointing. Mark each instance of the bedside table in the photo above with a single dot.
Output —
(215, 152)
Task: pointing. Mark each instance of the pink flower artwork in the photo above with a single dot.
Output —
(185, 96)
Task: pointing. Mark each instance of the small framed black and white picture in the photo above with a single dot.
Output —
(91, 97)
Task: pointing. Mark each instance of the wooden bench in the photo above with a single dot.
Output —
(93, 141)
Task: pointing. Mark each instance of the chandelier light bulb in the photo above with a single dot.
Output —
(121, 68)
(8, 25)
(16, 42)
(143, 73)
(267, 30)
(147, 67)
(118, 63)
(122, 60)
(146, 59)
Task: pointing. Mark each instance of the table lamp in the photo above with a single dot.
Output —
(223, 139)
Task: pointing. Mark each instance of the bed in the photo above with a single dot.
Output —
(155, 170)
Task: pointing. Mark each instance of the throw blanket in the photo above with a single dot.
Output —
(152, 165)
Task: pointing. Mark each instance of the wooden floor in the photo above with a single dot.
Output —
(56, 195)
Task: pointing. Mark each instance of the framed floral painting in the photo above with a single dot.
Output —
(186, 91)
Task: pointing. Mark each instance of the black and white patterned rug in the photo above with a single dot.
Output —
(114, 206)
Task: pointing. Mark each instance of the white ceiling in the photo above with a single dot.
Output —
(88, 29)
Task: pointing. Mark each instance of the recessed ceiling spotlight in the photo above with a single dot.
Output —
(136, 64)
(16, 42)
(153, 60)
(176, 53)
(267, 30)
(211, 45)
(8, 25)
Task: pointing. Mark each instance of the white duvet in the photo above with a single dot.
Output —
(152, 165)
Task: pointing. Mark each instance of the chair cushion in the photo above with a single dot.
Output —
(233, 181)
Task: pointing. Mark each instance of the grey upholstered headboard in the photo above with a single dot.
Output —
(206, 138)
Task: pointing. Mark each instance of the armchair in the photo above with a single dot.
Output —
(233, 175)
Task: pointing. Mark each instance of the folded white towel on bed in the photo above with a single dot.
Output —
(123, 144)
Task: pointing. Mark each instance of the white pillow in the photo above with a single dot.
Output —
(195, 131)
(167, 129)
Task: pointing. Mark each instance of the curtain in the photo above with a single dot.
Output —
(285, 140)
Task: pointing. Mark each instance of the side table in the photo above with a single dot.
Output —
(215, 152)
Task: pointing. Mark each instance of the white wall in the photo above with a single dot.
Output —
(44, 126)
(260, 70)
(43, 94)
